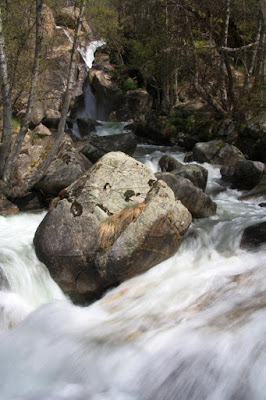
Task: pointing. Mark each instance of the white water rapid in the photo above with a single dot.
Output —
(191, 328)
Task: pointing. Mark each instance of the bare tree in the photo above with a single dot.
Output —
(7, 107)
(9, 169)
(40, 170)
(11, 187)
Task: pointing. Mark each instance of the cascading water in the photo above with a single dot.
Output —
(89, 109)
(191, 328)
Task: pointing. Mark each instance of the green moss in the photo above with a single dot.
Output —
(15, 124)
(129, 84)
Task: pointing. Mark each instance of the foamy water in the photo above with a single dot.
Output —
(193, 327)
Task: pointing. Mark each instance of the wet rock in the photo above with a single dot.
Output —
(96, 146)
(193, 198)
(254, 236)
(141, 218)
(197, 174)
(6, 207)
(217, 152)
(258, 191)
(168, 163)
(244, 174)
(188, 157)
(87, 125)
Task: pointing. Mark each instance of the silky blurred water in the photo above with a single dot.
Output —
(193, 327)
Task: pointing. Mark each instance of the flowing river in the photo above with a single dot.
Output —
(191, 328)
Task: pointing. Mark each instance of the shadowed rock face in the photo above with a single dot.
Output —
(254, 236)
(193, 198)
(96, 146)
(67, 240)
(197, 174)
(244, 175)
(66, 167)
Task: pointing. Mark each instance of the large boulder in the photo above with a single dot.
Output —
(66, 167)
(114, 222)
(245, 175)
(193, 198)
(254, 236)
(96, 146)
(217, 152)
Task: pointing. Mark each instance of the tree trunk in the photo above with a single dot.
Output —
(42, 168)
(12, 159)
(224, 65)
(7, 107)
(250, 69)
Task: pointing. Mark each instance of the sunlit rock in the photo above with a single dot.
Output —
(114, 222)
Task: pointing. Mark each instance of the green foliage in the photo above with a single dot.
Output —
(15, 124)
(129, 84)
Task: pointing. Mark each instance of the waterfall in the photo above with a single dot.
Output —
(89, 109)
(191, 328)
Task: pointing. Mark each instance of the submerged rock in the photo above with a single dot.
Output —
(114, 222)
(193, 198)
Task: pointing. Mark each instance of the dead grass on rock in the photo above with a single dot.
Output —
(112, 227)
